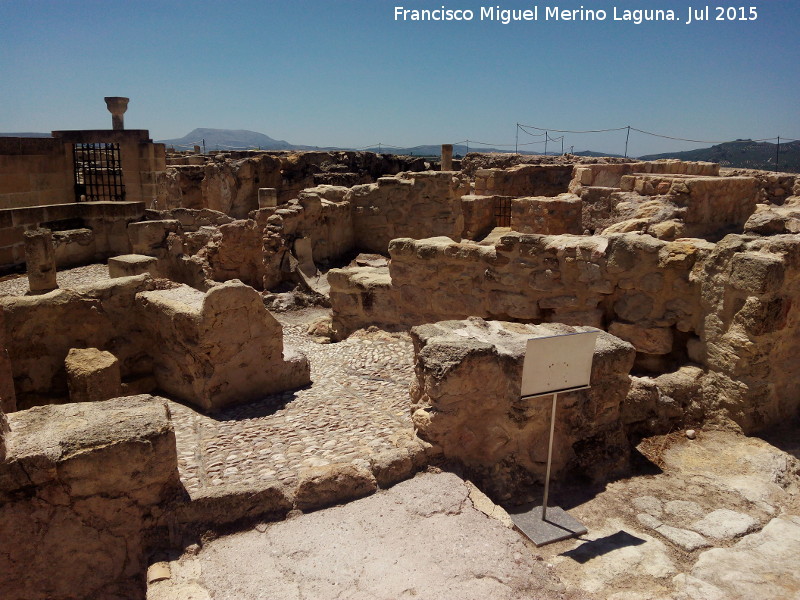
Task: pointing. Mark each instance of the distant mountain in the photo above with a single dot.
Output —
(227, 139)
(743, 154)
(25, 134)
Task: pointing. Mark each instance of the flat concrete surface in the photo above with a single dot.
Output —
(423, 538)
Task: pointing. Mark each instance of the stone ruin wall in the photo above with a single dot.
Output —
(164, 335)
(229, 182)
(86, 480)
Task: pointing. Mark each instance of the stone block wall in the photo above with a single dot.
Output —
(218, 348)
(725, 307)
(524, 180)
(194, 344)
(610, 175)
(106, 223)
(419, 204)
(34, 172)
(466, 402)
(547, 215)
(41, 330)
(84, 493)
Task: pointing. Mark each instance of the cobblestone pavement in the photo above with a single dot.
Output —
(355, 409)
(66, 278)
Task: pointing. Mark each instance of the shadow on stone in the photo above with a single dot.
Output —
(593, 548)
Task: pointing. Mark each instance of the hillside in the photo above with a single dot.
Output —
(745, 154)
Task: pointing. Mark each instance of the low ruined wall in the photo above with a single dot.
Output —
(411, 204)
(229, 181)
(725, 307)
(466, 402)
(40, 331)
(218, 348)
(83, 495)
(610, 175)
(550, 216)
(106, 223)
(34, 172)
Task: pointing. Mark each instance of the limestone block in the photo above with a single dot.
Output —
(465, 401)
(219, 348)
(92, 375)
(267, 197)
(40, 260)
(150, 237)
(322, 486)
(82, 495)
(648, 340)
(545, 215)
(131, 264)
(756, 273)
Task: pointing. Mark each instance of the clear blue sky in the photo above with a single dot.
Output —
(345, 73)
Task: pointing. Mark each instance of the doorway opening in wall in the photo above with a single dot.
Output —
(98, 172)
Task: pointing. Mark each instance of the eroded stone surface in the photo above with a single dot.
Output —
(421, 538)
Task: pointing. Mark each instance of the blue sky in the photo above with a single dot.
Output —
(345, 73)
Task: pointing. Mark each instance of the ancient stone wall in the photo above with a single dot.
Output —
(676, 302)
(218, 348)
(191, 344)
(466, 402)
(84, 492)
(229, 182)
(524, 180)
(418, 204)
(34, 172)
(610, 175)
(41, 330)
(84, 231)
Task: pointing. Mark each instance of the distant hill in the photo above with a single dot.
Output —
(227, 139)
(25, 134)
(744, 154)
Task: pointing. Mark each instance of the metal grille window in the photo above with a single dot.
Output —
(98, 172)
(502, 212)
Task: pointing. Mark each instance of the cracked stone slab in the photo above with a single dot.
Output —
(422, 537)
(683, 538)
(724, 524)
(760, 565)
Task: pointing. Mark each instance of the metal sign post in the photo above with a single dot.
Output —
(554, 365)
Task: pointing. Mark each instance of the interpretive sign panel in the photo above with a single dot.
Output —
(558, 363)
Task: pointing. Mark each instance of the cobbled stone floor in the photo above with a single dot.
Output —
(356, 407)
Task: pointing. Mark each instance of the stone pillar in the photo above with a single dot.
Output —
(267, 197)
(196, 149)
(40, 259)
(117, 106)
(447, 157)
(92, 375)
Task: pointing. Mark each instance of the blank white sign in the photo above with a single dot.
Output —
(559, 362)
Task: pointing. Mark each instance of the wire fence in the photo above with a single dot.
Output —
(528, 130)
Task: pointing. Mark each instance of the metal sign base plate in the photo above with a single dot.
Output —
(559, 525)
